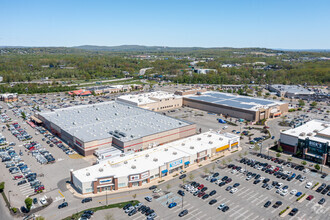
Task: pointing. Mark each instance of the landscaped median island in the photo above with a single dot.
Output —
(95, 209)
(283, 212)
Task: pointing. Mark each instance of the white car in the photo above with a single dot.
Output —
(306, 170)
(43, 201)
(284, 192)
(221, 206)
(218, 181)
(293, 192)
(249, 177)
(279, 191)
(259, 168)
(129, 209)
(242, 170)
(302, 179)
(233, 190)
(309, 185)
(157, 190)
(234, 171)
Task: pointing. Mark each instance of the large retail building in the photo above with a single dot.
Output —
(155, 101)
(89, 127)
(133, 170)
(309, 141)
(245, 107)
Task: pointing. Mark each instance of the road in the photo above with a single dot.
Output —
(102, 81)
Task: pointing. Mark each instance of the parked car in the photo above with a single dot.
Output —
(148, 198)
(88, 199)
(171, 205)
(183, 213)
(293, 212)
(267, 204)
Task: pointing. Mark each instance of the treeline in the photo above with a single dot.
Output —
(32, 88)
(28, 64)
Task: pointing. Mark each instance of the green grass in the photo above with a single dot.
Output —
(95, 209)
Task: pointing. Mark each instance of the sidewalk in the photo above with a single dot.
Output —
(155, 181)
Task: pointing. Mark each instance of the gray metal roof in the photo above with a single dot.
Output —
(294, 89)
(243, 102)
(94, 122)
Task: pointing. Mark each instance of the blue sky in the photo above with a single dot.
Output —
(287, 24)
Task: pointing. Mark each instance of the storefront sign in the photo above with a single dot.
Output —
(144, 175)
(106, 181)
(222, 148)
(315, 144)
(134, 177)
(78, 143)
(175, 163)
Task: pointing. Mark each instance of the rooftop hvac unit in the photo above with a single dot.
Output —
(192, 147)
(155, 159)
(166, 149)
(210, 142)
(147, 155)
(309, 134)
(88, 174)
(209, 135)
(316, 131)
(302, 134)
(125, 162)
(101, 169)
(133, 167)
(175, 153)
(199, 139)
(220, 139)
(183, 144)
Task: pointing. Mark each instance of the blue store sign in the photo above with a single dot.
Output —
(175, 163)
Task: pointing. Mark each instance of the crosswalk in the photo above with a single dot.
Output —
(26, 189)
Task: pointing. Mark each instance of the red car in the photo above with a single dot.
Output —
(200, 186)
(310, 197)
(201, 194)
(276, 169)
(18, 177)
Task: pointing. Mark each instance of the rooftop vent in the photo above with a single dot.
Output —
(183, 144)
(199, 139)
(147, 155)
(88, 174)
(155, 159)
(125, 162)
(133, 167)
(101, 169)
(175, 153)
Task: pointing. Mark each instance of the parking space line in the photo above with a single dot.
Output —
(261, 201)
(252, 196)
(237, 211)
(241, 193)
(274, 210)
(241, 214)
(247, 217)
(302, 217)
(250, 193)
(255, 217)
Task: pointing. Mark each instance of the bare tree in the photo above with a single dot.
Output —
(191, 176)
(109, 216)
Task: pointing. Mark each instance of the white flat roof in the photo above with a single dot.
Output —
(313, 129)
(155, 157)
(146, 98)
(96, 121)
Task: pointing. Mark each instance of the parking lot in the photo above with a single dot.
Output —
(249, 199)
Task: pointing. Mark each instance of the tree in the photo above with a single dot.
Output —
(191, 176)
(313, 104)
(240, 155)
(40, 218)
(229, 160)
(206, 171)
(168, 186)
(280, 149)
(224, 162)
(278, 155)
(245, 153)
(213, 167)
(301, 103)
(134, 196)
(303, 162)
(2, 186)
(256, 147)
(23, 115)
(290, 159)
(317, 167)
(28, 203)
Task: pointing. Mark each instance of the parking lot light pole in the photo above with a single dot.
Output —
(182, 202)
